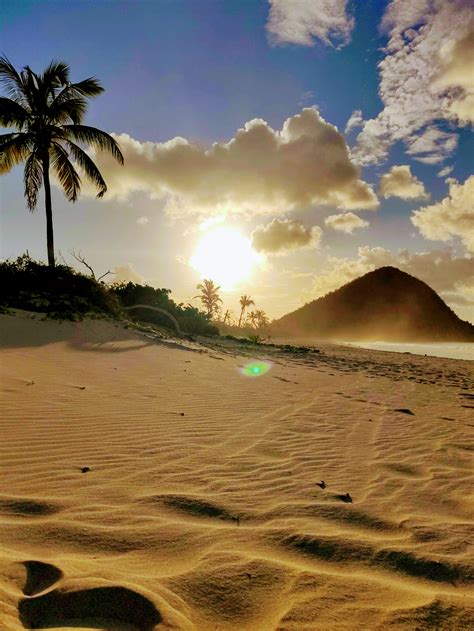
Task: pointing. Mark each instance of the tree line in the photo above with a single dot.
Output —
(212, 302)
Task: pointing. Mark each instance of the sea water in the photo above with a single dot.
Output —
(453, 350)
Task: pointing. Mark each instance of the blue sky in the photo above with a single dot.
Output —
(201, 70)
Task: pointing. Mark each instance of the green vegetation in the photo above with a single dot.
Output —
(190, 319)
(256, 339)
(257, 319)
(47, 110)
(209, 296)
(63, 293)
(57, 291)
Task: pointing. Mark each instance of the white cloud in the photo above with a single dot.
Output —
(126, 274)
(452, 217)
(449, 275)
(282, 235)
(345, 222)
(304, 21)
(400, 182)
(259, 171)
(424, 78)
(355, 120)
(431, 145)
(456, 71)
(445, 171)
(142, 221)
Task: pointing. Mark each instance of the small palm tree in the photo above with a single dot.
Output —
(209, 296)
(47, 110)
(245, 301)
(227, 316)
(261, 319)
(252, 319)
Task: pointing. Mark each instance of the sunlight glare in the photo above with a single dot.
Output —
(224, 256)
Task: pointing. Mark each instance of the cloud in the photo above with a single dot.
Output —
(282, 235)
(354, 121)
(449, 275)
(304, 21)
(127, 274)
(400, 182)
(432, 145)
(452, 217)
(445, 171)
(424, 79)
(345, 222)
(259, 171)
(456, 72)
(142, 221)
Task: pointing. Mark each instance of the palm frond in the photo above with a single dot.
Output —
(94, 137)
(65, 171)
(32, 178)
(53, 78)
(88, 87)
(11, 79)
(6, 137)
(74, 93)
(67, 110)
(57, 74)
(12, 113)
(31, 89)
(14, 148)
(89, 167)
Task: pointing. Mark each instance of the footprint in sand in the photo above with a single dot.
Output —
(24, 507)
(47, 605)
(39, 577)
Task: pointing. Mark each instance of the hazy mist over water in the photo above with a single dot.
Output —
(452, 350)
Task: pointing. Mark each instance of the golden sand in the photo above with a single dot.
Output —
(150, 485)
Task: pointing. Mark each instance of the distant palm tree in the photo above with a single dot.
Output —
(261, 319)
(252, 319)
(209, 296)
(46, 110)
(227, 316)
(245, 301)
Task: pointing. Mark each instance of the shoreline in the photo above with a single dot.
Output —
(448, 350)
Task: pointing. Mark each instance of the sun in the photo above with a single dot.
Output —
(225, 256)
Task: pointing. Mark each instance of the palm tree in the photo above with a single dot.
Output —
(252, 319)
(227, 317)
(46, 110)
(245, 301)
(209, 296)
(261, 319)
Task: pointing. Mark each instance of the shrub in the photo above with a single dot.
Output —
(61, 292)
(58, 291)
(190, 319)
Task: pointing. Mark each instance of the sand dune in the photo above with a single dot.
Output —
(147, 484)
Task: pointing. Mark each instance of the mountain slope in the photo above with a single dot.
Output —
(386, 304)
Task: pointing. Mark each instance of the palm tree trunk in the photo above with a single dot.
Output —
(241, 314)
(49, 212)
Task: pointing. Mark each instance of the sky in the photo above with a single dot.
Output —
(281, 148)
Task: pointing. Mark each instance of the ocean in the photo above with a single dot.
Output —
(452, 350)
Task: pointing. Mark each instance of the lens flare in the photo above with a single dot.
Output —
(255, 369)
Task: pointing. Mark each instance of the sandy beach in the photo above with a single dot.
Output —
(148, 484)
